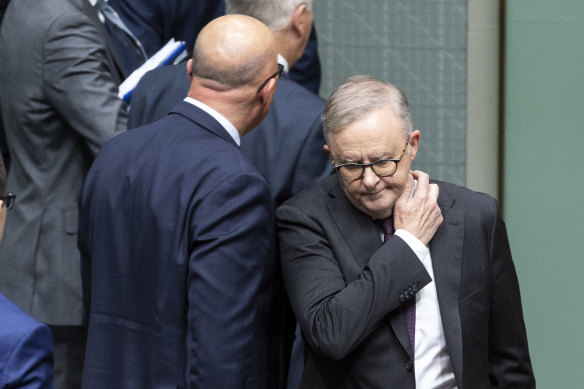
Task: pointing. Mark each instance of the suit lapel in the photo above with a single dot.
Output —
(446, 250)
(363, 238)
(360, 232)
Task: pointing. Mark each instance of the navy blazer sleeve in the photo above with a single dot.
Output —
(232, 242)
(26, 350)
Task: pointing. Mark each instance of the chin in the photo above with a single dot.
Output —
(377, 211)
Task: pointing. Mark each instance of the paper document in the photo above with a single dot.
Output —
(165, 55)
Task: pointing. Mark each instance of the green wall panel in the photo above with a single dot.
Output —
(544, 179)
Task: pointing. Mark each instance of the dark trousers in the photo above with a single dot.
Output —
(69, 344)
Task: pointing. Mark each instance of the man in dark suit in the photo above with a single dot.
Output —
(59, 104)
(286, 148)
(176, 233)
(26, 347)
(437, 305)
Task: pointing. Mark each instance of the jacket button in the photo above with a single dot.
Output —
(402, 298)
(416, 288)
(409, 365)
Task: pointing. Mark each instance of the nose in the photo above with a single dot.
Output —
(369, 179)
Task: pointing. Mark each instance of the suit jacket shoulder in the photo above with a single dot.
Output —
(26, 349)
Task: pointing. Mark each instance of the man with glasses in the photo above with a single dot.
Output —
(397, 281)
(176, 233)
(26, 346)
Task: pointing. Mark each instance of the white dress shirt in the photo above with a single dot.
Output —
(431, 361)
(230, 128)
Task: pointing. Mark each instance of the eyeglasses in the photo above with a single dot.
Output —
(277, 74)
(8, 200)
(383, 167)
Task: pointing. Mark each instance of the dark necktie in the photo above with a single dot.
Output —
(129, 49)
(387, 228)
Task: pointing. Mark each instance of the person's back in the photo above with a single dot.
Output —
(177, 187)
(49, 99)
(59, 104)
(176, 234)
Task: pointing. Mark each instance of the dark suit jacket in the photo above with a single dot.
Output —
(345, 289)
(26, 349)
(58, 89)
(176, 233)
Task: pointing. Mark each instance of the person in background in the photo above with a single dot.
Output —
(59, 104)
(155, 22)
(396, 280)
(26, 347)
(177, 234)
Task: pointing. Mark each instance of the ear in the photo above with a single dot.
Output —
(190, 69)
(414, 143)
(328, 151)
(299, 24)
(267, 92)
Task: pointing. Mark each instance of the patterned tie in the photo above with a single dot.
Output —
(387, 228)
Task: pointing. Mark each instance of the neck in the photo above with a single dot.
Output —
(236, 104)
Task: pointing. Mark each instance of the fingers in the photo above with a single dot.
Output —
(421, 216)
(423, 183)
(433, 191)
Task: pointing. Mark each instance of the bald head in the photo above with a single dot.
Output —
(233, 51)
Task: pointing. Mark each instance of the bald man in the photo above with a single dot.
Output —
(176, 233)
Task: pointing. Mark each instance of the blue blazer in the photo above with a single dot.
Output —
(26, 349)
(176, 234)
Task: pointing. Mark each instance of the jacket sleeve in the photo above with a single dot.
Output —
(335, 313)
(231, 248)
(509, 361)
(78, 81)
(30, 365)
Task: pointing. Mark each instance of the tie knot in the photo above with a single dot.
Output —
(386, 226)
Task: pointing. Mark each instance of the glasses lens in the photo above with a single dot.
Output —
(351, 171)
(384, 167)
(9, 200)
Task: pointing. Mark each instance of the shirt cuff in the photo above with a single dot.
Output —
(415, 244)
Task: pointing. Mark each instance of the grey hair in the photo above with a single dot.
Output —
(359, 95)
(276, 14)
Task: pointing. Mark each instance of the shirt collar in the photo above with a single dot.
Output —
(230, 128)
(282, 61)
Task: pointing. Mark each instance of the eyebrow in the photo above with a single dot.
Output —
(373, 158)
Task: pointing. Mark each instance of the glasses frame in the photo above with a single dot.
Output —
(8, 200)
(371, 165)
(278, 73)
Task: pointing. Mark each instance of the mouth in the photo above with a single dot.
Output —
(374, 193)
